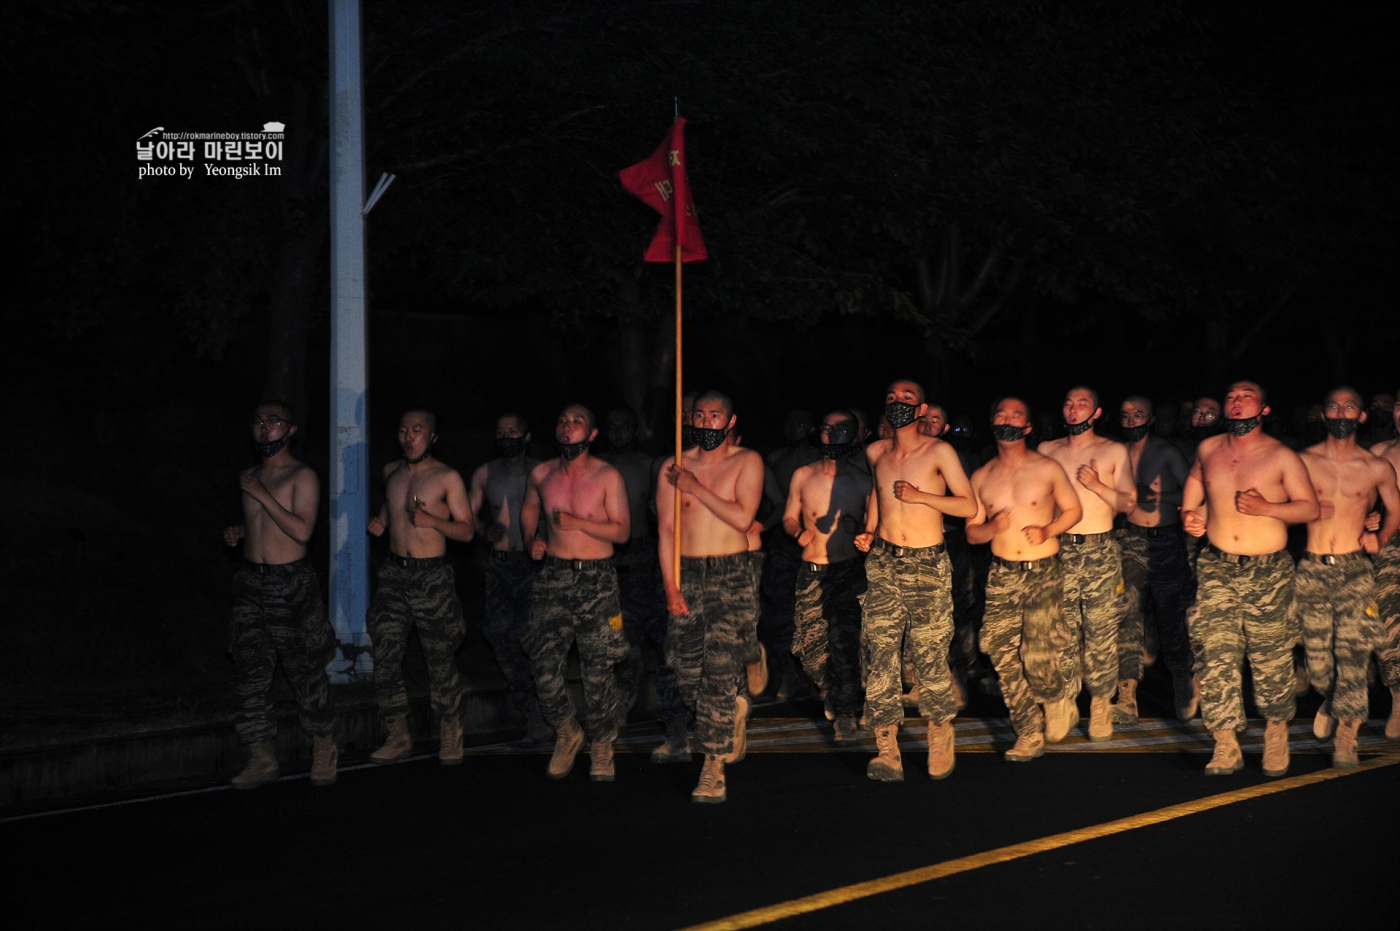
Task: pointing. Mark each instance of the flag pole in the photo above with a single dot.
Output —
(676, 522)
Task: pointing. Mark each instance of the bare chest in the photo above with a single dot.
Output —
(1227, 472)
(576, 493)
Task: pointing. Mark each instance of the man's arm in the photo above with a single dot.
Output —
(792, 514)
(476, 496)
(1066, 502)
(300, 521)
(1301, 505)
(458, 525)
(1122, 494)
(666, 544)
(617, 528)
(530, 509)
(1193, 501)
(978, 528)
(1390, 497)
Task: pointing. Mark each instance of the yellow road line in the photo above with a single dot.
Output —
(812, 903)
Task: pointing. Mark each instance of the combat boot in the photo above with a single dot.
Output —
(757, 673)
(537, 730)
(1324, 724)
(1028, 747)
(600, 761)
(941, 750)
(1125, 710)
(325, 757)
(397, 745)
(741, 724)
(843, 729)
(710, 789)
(1061, 716)
(568, 739)
(888, 766)
(1344, 747)
(1100, 719)
(450, 740)
(261, 768)
(676, 749)
(1186, 695)
(1392, 723)
(1276, 749)
(1227, 758)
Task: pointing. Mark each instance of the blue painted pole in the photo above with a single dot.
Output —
(349, 460)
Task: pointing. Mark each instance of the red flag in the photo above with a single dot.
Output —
(660, 182)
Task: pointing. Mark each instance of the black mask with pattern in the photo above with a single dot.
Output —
(1074, 429)
(899, 414)
(709, 438)
(268, 450)
(571, 451)
(1133, 434)
(1008, 432)
(687, 436)
(508, 447)
(837, 450)
(1340, 427)
(1242, 425)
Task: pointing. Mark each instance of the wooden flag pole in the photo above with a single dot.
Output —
(676, 522)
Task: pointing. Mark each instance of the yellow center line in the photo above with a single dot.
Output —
(812, 903)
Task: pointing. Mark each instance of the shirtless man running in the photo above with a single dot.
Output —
(1243, 491)
(720, 485)
(1336, 585)
(425, 505)
(277, 607)
(1155, 567)
(825, 510)
(917, 479)
(1024, 502)
(784, 555)
(510, 573)
(575, 598)
(1090, 558)
(1388, 590)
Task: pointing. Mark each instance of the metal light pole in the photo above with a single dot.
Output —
(349, 461)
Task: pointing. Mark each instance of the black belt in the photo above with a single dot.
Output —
(1163, 531)
(262, 568)
(578, 565)
(900, 552)
(1074, 539)
(1026, 565)
(507, 555)
(716, 562)
(404, 562)
(1336, 559)
(1239, 560)
(817, 568)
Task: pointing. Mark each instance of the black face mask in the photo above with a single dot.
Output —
(1133, 434)
(1241, 426)
(571, 451)
(1007, 432)
(899, 414)
(1074, 429)
(687, 436)
(837, 450)
(709, 438)
(508, 447)
(268, 450)
(1340, 427)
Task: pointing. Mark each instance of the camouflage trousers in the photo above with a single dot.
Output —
(1156, 572)
(967, 615)
(577, 600)
(510, 576)
(749, 647)
(1387, 563)
(1336, 599)
(644, 621)
(705, 647)
(278, 614)
(1244, 608)
(419, 593)
(827, 629)
(908, 601)
(1025, 634)
(1093, 581)
(784, 556)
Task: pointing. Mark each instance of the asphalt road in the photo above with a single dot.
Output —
(495, 844)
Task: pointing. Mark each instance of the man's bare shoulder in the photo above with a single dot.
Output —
(1041, 465)
(542, 470)
(1053, 447)
(480, 473)
(392, 468)
(873, 451)
(745, 456)
(602, 469)
(1110, 445)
